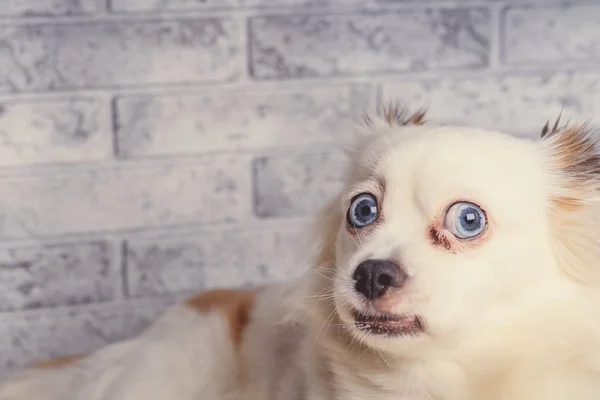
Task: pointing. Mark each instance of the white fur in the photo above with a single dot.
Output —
(512, 318)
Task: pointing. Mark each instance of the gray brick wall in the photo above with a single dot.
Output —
(150, 148)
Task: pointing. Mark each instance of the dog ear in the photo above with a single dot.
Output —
(574, 175)
(394, 114)
(575, 161)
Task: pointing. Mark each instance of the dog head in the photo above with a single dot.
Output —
(442, 232)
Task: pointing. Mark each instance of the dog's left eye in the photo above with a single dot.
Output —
(363, 210)
(465, 220)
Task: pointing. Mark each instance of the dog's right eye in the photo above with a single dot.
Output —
(465, 220)
(363, 211)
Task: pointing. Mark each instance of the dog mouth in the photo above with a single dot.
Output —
(389, 325)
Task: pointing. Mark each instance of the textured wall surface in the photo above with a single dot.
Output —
(150, 148)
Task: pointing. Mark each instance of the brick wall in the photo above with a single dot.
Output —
(149, 148)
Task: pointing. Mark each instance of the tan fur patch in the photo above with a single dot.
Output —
(60, 361)
(574, 151)
(235, 304)
(395, 114)
(568, 203)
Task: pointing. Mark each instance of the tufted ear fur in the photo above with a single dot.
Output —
(573, 163)
(555, 128)
(393, 114)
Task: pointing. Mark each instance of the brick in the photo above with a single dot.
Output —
(57, 275)
(195, 123)
(24, 340)
(515, 104)
(324, 45)
(232, 259)
(37, 8)
(270, 3)
(170, 5)
(324, 3)
(107, 54)
(215, 189)
(296, 185)
(552, 34)
(60, 130)
(157, 6)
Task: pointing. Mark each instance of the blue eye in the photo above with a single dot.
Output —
(465, 220)
(363, 210)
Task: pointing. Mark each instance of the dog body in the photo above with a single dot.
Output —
(455, 264)
(222, 344)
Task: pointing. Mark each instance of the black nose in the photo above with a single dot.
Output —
(374, 277)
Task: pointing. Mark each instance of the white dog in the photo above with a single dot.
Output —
(456, 264)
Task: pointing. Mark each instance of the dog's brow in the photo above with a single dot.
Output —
(374, 184)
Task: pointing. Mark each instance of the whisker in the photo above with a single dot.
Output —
(361, 354)
(380, 354)
(320, 296)
(330, 317)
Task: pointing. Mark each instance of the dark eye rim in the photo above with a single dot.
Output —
(354, 198)
(485, 227)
